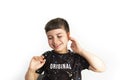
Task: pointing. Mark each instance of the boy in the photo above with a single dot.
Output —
(61, 63)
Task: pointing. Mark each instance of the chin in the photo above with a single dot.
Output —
(60, 51)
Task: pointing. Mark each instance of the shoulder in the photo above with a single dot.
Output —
(74, 55)
(47, 54)
(77, 56)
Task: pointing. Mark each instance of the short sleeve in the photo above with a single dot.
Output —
(82, 61)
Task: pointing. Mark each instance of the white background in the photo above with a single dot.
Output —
(95, 23)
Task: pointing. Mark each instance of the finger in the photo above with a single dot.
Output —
(72, 39)
(41, 58)
(35, 57)
(43, 61)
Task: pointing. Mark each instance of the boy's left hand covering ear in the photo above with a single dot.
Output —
(75, 45)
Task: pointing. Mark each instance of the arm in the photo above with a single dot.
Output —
(31, 75)
(36, 63)
(96, 64)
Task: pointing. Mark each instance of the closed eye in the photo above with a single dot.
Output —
(59, 36)
(50, 38)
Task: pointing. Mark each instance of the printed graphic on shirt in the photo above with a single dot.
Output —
(60, 66)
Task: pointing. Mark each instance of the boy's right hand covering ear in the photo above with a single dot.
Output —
(37, 62)
(75, 45)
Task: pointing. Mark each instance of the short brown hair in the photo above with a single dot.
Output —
(57, 23)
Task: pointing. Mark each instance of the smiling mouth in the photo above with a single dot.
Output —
(56, 46)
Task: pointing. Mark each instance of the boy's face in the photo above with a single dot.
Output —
(58, 39)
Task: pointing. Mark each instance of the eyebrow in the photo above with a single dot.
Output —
(56, 34)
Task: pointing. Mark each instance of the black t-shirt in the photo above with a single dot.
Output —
(66, 66)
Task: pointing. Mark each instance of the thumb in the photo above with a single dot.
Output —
(71, 38)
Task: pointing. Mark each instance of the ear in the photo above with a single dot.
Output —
(68, 35)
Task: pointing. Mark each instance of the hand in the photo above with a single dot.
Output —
(37, 62)
(75, 45)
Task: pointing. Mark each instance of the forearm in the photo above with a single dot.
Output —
(96, 64)
(31, 75)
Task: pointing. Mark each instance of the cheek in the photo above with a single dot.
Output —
(49, 42)
(65, 40)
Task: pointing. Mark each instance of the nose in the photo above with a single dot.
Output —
(55, 40)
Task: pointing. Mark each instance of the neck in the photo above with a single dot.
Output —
(61, 52)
